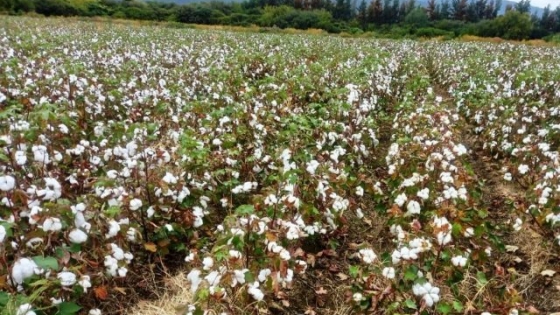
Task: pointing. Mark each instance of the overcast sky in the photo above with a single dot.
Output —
(543, 3)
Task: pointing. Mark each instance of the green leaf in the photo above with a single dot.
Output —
(46, 262)
(249, 277)
(410, 304)
(458, 306)
(481, 278)
(245, 210)
(4, 298)
(411, 273)
(354, 271)
(444, 308)
(68, 308)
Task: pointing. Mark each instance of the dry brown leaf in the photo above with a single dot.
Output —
(100, 293)
(150, 247)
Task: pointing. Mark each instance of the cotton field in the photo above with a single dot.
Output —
(284, 174)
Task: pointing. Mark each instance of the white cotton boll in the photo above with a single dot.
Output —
(284, 255)
(169, 178)
(424, 193)
(85, 282)
(413, 207)
(25, 309)
(21, 158)
(312, 167)
(255, 292)
(52, 225)
(150, 212)
(7, 183)
(122, 271)
(401, 199)
(77, 236)
(2, 233)
(357, 297)
(114, 229)
(518, 224)
(131, 234)
(55, 301)
(66, 278)
(213, 278)
(95, 311)
(368, 255)
(112, 174)
(118, 253)
(396, 257)
(523, 168)
(469, 232)
(429, 293)
(459, 261)
(207, 263)
(263, 274)
(388, 272)
(359, 213)
(359, 191)
(443, 238)
(23, 268)
(135, 204)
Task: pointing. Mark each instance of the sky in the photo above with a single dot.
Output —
(544, 3)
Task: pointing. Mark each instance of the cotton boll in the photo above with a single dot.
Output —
(25, 309)
(77, 236)
(357, 297)
(7, 183)
(2, 233)
(367, 255)
(52, 225)
(23, 268)
(207, 263)
(388, 272)
(66, 278)
(95, 311)
(135, 204)
(413, 207)
(459, 261)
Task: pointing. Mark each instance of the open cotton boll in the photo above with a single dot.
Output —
(194, 279)
(255, 292)
(66, 278)
(25, 309)
(3, 233)
(23, 268)
(7, 183)
(52, 225)
(135, 204)
(429, 293)
(367, 255)
(77, 236)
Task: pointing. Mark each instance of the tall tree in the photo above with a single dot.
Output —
(523, 6)
(375, 12)
(431, 9)
(497, 7)
(459, 9)
(444, 11)
(547, 20)
(362, 14)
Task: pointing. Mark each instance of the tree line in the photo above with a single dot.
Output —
(390, 18)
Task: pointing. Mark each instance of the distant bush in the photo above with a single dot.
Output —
(430, 32)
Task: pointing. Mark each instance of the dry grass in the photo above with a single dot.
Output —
(171, 300)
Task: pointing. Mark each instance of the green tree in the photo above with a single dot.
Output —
(417, 18)
(362, 14)
(523, 6)
(514, 25)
